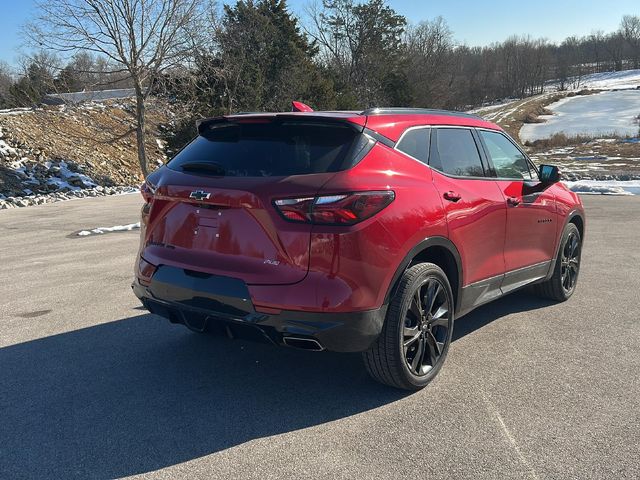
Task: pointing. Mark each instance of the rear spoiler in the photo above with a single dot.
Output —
(300, 107)
(205, 124)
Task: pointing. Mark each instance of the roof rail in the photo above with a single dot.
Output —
(414, 111)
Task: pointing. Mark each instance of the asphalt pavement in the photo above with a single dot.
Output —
(92, 386)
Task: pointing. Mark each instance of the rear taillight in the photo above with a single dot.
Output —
(145, 271)
(342, 209)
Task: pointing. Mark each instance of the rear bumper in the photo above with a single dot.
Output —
(205, 300)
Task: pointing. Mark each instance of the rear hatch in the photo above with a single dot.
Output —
(212, 207)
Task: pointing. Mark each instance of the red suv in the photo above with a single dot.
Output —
(352, 231)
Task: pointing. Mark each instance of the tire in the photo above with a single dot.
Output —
(425, 330)
(564, 279)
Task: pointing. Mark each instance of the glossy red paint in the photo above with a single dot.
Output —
(232, 228)
(300, 107)
(532, 224)
(476, 224)
(352, 268)
(235, 232)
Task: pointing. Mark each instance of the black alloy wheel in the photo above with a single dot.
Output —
(426, 327)
(564, 278)
(570, 262)
(417, 331)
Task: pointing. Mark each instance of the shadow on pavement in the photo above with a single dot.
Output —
(139, 394)
(521, 301)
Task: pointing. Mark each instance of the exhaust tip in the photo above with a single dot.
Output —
(197, 323)
(303, 343)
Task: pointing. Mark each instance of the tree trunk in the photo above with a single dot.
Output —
(140, 131)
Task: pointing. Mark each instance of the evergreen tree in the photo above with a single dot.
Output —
(265, 62)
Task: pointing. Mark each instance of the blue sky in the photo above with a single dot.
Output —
(473, 22)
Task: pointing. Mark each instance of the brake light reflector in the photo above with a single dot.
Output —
(342, 209)
(295, 209)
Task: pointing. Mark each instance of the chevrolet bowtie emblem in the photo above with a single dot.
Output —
(200, 195)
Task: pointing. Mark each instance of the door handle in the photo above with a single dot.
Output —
(514, 201)
(452, 196)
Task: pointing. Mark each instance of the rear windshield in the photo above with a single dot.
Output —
(268, 149)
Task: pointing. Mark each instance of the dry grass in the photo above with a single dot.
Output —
(513, 115)
(585, 91)
(533, 116)
(100, 140)
(559, 140)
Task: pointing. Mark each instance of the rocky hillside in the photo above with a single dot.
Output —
(52, 153)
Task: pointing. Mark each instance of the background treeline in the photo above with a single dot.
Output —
(44, 73)
(257, 55)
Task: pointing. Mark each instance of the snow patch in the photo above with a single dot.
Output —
(101, 230)
(65, 176)
(15, 111)
(484, 110)
(612, 80)
(605, 187)
(603, 81)
(6, 150)
(595, 115)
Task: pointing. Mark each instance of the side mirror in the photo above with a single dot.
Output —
(549, 174)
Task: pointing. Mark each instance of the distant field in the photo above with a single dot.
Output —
(611, 113)
(603, 81)
(590, 133)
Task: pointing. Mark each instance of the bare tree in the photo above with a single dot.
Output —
(614, 47)
(35, 77)
(361, 44)
(594, 44)
(141, 37)
(6, 81)
(429, 47)
(630, 29)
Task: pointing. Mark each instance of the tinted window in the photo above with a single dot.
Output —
(508, 161)
(416, 143)
(457, 153)
(268, 149)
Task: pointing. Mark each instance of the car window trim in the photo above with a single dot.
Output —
(434, 152)
(417, 127)
(484, 158)
(378, 137)
(530, 164)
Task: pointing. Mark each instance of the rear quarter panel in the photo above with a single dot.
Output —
(362, 261)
